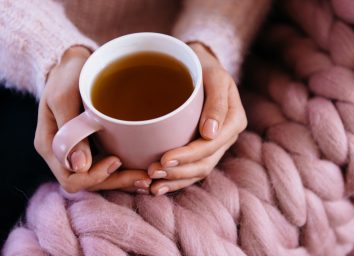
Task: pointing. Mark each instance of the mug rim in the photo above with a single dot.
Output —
(198, 83)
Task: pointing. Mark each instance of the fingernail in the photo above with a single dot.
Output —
(210, 128)
(158, 174)
(162, 191)
(142, 183)
(142, 191)
(171, 163)
(113, 167)
(78, 160)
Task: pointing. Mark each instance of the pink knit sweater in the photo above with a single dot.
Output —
(35, 34)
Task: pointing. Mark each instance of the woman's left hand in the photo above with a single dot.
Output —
(222, 119)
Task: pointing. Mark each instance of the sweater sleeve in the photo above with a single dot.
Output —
(226, 27)
(34, 35)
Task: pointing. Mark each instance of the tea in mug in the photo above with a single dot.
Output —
(141, 86)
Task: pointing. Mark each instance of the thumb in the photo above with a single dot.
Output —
(216, 84)
(80, 158)
(65, 103)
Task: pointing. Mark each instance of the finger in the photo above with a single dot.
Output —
(201, 148)
(74, 182)
(216, 83)
(46, 128)
(192, 170)
(98, 173)
(145, 191)
(80, 157)
(198, 169)
(195, 151)
(162, 187)
(234, 123)
(130, 180)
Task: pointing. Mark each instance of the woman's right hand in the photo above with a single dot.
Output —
(59, 103)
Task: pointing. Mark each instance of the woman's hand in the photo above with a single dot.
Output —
(60, 103)
(222, 119)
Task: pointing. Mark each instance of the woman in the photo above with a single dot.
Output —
(44, 45)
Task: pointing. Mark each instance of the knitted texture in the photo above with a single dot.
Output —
(202, 21)
(35, 34)
(32, 42)
(283, 189)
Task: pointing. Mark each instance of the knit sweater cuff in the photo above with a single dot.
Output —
(217, 34)
(36, 35)
(55, 46)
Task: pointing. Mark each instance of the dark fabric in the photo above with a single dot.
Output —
(21, 169)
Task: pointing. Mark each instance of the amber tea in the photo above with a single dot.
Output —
(141, 86)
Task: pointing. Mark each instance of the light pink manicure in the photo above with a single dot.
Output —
(171, 163)
(162, 191)
(78, 160)
(158, 174)
(210, 128)
(113, 167)
(142, 183)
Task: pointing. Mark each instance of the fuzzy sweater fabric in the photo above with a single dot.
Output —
(285, 187)
(35, 34)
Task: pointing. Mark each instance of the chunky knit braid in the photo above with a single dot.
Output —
(309, 128)
(283, 189)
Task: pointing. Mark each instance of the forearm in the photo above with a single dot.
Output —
(34, 35)
(226, 27)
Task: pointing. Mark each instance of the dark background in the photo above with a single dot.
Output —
(21, 168)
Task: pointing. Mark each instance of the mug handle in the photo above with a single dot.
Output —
(71, 133)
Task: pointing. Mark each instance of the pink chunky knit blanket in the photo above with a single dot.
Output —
(283, 189)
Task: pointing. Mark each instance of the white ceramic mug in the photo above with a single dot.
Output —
(136, 143)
